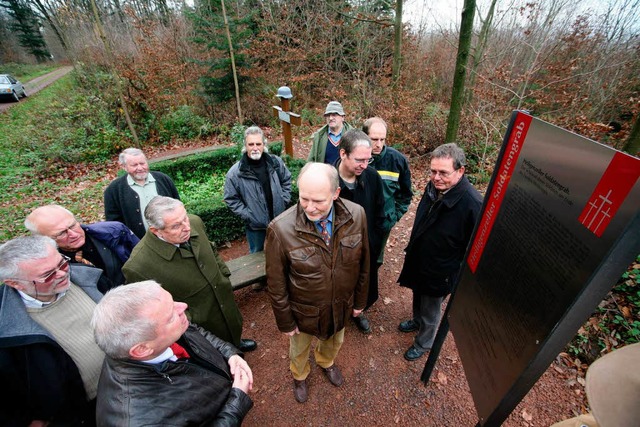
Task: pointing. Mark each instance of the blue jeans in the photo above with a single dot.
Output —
(256, 240)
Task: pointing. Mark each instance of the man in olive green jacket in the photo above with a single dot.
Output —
(176, 253)
(326, 140)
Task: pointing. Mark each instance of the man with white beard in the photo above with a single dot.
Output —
(257, 188)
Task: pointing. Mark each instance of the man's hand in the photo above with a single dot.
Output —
(292, 333)
(242, 375)
(242, 382)
(39, 423)
(356, 313)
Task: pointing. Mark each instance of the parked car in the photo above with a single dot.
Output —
(10, 88)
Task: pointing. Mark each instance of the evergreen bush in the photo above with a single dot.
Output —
(184, 123)
(200, 181)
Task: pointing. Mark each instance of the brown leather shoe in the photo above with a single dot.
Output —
(334, 375)
(257, 287)
(300, 390)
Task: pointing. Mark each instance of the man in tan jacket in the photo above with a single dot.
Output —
(613, 391)
(317, 256)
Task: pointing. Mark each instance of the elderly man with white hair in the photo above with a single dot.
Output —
(161, 370)
(127, 196)
(49, 362)
(177, 253)
(257, 188)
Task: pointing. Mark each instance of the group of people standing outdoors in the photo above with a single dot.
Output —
(79, 348)
(322, 267)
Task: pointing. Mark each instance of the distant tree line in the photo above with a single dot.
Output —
(25, 24)
(576, 70)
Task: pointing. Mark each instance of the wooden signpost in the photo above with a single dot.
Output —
(286, 117)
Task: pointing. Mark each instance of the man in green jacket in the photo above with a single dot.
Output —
(326, 140)
(176, 253)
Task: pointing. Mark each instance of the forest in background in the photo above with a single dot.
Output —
(148, 72)
(148, 61)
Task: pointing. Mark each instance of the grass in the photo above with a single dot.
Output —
(56, 147)
(41, 157)
(26, 72)
(86, 202)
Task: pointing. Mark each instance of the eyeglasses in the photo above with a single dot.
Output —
(442, 174)
(364, 161)
(64, 233)
(178, 225)
(63, 265)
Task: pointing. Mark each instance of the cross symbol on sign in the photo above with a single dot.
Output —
(286, 117)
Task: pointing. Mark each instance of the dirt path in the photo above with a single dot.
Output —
(381, 387)
(39, 83)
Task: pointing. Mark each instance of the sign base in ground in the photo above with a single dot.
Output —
(560, 224)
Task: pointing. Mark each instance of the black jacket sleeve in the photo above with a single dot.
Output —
(237, 406)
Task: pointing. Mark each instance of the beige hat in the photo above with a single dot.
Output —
(334, 107)
(613, 388)
(584, 420)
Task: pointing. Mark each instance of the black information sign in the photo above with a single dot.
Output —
(560, 223)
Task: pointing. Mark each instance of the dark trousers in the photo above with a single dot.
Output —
(427, 313)
(255, 238)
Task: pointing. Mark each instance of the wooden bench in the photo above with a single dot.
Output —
(247, 270)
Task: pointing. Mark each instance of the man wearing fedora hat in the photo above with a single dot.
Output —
(326, 140)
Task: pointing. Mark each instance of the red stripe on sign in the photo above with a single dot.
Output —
(505, 172)
(612, 189)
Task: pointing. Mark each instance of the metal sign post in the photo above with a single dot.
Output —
(559, 226)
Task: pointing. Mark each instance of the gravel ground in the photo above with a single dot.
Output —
(381, 387)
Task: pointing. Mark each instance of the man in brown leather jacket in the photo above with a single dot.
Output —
(317, 255)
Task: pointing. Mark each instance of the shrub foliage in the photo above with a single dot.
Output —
(200, 180)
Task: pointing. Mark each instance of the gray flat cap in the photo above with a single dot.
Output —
(334, 107)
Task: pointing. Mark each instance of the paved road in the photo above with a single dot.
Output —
(38, 84)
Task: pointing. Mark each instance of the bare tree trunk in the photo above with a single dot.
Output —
(54, 25)
(478, 52)
(397, 43)
(632, 144)
(233, 62)
(457, 93)
(116, 76)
